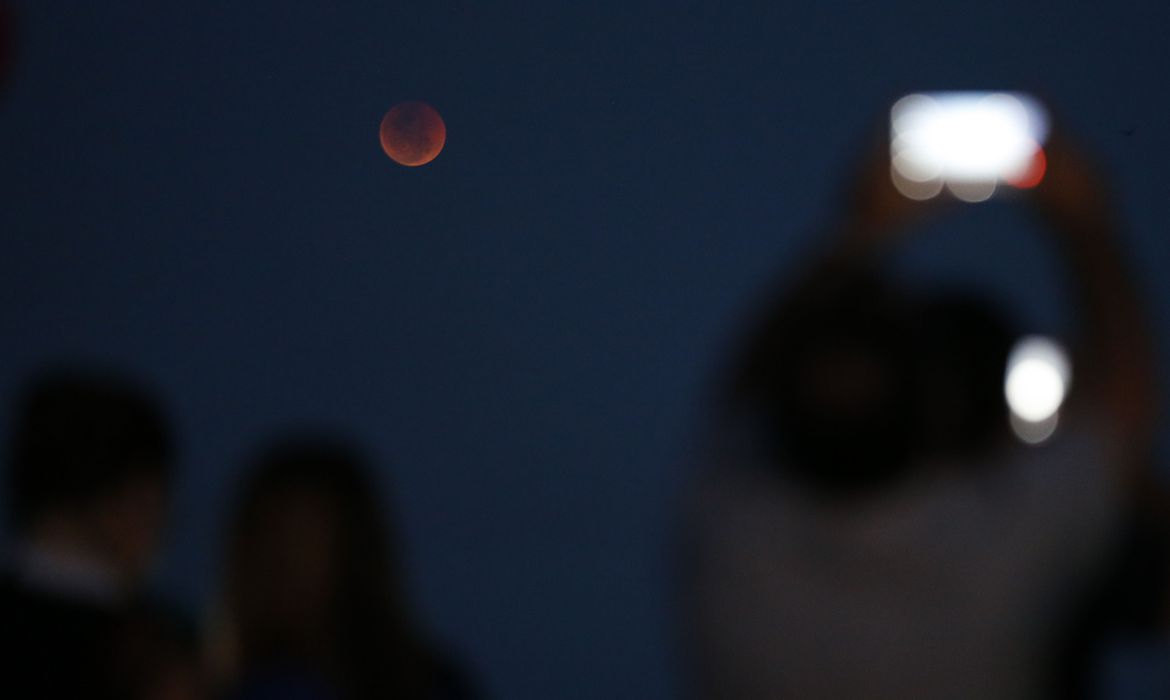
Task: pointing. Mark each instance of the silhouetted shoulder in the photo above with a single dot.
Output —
(52, 646)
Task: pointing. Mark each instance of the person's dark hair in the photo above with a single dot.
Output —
(80, 434)
(375, 649)
(835, 381)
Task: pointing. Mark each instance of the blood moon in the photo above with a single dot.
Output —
(412, 133)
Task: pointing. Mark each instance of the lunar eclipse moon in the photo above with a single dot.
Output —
(412, 133)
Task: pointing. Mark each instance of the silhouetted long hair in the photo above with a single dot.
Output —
(368, 646)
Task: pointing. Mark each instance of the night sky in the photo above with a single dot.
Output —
(522, 329)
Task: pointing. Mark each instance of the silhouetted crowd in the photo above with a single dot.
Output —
(313, 604)
(865, 523)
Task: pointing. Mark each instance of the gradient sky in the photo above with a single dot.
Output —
(521, 329)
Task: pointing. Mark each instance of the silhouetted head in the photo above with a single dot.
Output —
(836, 381)
(312, 579)
(860, 386)
(91, 462)
(964, 346)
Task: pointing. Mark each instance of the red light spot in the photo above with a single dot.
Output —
(1034, 175)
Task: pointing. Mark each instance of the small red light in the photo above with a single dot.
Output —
(1034, 175)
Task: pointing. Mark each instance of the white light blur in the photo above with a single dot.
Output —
(1034, 432)
(973, 190)
(1036, 382)
(915, 189)
(968, 140)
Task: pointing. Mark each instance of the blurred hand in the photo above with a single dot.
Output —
(1073, 194)
(878, 212)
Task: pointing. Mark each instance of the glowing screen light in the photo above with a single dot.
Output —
(969, 141)
(1035, 385)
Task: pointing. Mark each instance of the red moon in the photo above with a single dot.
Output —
(412, 133)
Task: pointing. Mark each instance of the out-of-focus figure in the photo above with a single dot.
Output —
(6, 43)
(867, 526)
(314, 600)
(88, 478)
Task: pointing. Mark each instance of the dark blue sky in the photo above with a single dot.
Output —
(520, 329)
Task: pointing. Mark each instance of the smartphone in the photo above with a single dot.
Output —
(968, 142)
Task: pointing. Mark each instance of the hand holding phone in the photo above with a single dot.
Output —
(967, 142)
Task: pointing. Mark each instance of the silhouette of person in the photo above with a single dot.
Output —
(864, 525)
(89, 472)
(314, 598)
(6, 44)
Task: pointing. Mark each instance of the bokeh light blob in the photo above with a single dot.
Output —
(1034, 174)
(1035, 385)
(968, 141)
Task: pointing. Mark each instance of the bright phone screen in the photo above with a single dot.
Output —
(969, 142)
